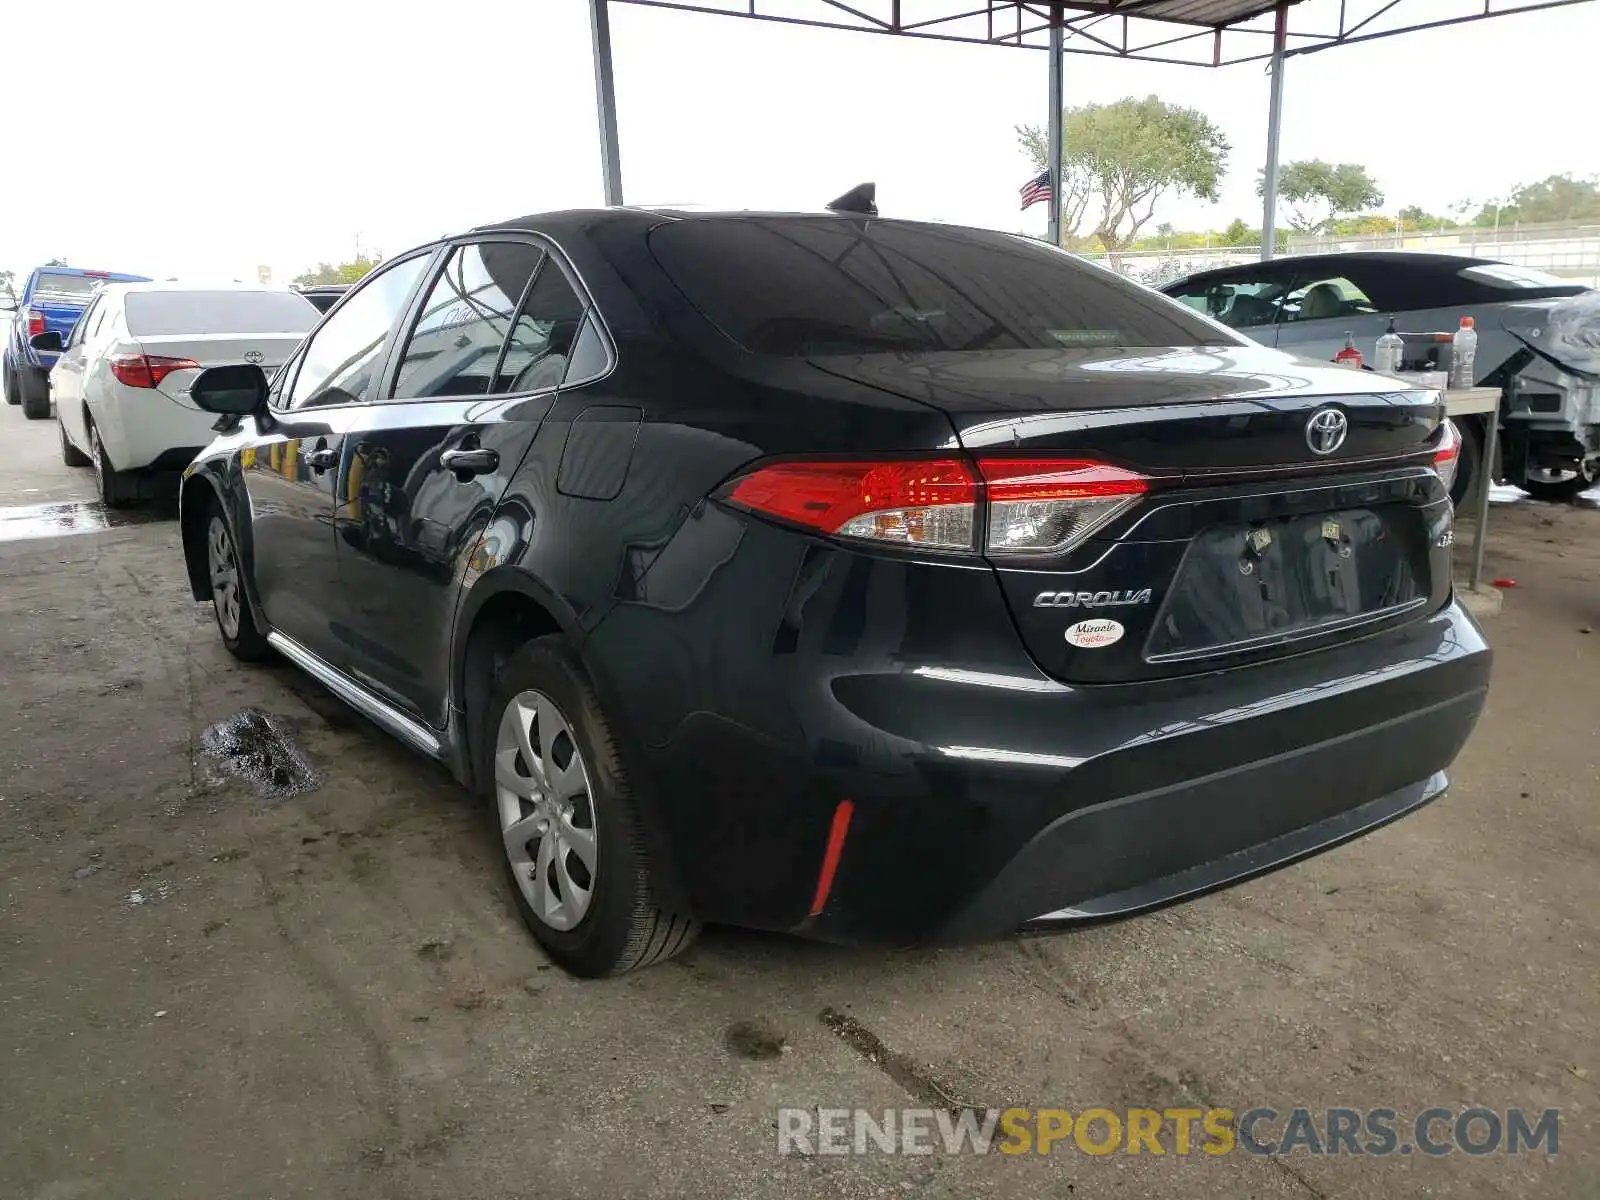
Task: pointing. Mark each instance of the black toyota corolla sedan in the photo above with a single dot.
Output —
(871, 580)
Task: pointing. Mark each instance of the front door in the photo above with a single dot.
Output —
(466, 394)
(294, 469)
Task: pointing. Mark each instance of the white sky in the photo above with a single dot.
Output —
(193, 137)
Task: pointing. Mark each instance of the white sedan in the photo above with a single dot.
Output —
(121, 385)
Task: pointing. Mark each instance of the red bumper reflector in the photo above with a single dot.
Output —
(830, 856)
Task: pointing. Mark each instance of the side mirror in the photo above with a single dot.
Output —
(49, 342)
(235, 391)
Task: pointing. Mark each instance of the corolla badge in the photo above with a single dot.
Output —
(253, 357)
(1326, 430)
(1092, 599)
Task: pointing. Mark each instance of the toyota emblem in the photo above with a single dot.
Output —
(1326, 430)
(253, 356)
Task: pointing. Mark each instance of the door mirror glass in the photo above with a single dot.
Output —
(49, 342)
(234, 391)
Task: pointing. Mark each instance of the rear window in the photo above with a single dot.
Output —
(1516, 279)
(798, 286)
(75, 289)
(157, 314)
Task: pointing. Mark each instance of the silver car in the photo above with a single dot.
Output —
(1538, 339)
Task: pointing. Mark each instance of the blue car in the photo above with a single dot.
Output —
(52, 301)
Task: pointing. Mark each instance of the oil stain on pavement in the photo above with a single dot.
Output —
(259, 748)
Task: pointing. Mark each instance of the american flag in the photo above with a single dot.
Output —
(1036, 190)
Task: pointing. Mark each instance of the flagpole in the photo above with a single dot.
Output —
(1055, 124)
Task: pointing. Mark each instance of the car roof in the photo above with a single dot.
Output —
(587, 219)
(90, 272)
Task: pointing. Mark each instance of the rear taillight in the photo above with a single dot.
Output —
(35, 322)
(147, 370)
(1045, 506)
(1035, 506)
(927, 502)
(1447, 453)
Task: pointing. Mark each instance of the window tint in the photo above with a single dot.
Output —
(545, 334)
(589, 356)
(456, 341)
(1239, 303)
(800, 286)
(344, 354)
(160, 313)
(1326, 298)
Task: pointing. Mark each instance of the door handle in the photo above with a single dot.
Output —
(467, 463)
(322, 459)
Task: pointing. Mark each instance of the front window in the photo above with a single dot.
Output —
(345, 353)
(1326, 299)
(1239, 304)
(802, 286)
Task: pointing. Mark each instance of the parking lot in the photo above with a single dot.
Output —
(204, 993)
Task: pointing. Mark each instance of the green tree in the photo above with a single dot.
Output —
(1315, 192)
(345, 272)
(1238, 233)
(1120, 160)
(8, 283)
(1555, 198)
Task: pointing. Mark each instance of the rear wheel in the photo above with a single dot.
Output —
(567, 821)
(1559, 486)
(118, 489)
(70, 454)
(35, 389)
(1468, 463)
(236, 621)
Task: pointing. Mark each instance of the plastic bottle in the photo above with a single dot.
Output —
(1390, 352)
(1349, 356)
(1463, 349)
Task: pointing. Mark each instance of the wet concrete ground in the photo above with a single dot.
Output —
(208, 992)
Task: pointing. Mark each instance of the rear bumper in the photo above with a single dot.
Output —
(143, 430)
(39, 359)
(990, 800)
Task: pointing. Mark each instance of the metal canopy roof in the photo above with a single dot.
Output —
(1202, 33)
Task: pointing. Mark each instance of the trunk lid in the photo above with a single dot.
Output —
(266, 350)
(1258, 537)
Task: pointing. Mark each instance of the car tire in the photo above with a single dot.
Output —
(118, 489)
(35, 389)
(13, 392)
(70, 454)
(567, 821)
(1468, 463)
(236, 619)
(1559, 491)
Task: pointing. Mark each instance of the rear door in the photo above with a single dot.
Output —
(66, 378)
(468, 387)
(293, 470)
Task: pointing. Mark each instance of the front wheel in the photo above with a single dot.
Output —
(236, 621)
(567, 821)
(13, 392)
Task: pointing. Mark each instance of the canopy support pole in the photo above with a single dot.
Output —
(605, 99)
(1269, 175)
(1056, 100)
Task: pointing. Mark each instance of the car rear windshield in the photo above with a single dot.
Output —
(75, 289)
(160, 314)
(1511, 278)
(796, 286)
